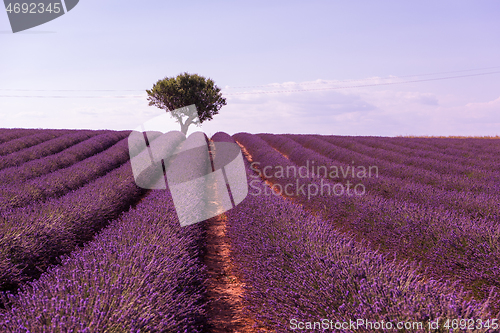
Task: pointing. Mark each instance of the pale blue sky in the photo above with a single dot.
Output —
(122, 45)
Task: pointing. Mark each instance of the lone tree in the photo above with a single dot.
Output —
(174, 93)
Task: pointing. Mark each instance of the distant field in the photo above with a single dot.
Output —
(451, 137)
(400, 231)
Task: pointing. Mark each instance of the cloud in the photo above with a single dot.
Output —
(375, 110)
(479, 118)
(354, 111)
(487, 111)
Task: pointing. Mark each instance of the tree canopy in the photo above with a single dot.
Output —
(175, 94)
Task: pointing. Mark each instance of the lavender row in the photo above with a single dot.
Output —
(469, 158)
(439, 180)
(448, 145)
(7, 134)
(60, 160)
(458, 143)
(466, 147)
(32, 237)
(64, 180)
(46, 148)
(298, 268)
(451, 245)
(143, 273)
(423, 156)
(187, 181)
(482, 230)
(27, 141)
(475, 205)
(454, 169)
(414, 147)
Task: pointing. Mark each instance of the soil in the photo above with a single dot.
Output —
(224, 288)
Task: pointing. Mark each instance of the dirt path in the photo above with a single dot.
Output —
(225, 306)
(224, 289)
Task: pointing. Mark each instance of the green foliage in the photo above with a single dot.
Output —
(174, 93)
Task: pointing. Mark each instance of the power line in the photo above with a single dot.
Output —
(359, 86)
(72, 90)
(263, 92)
(47, 96)
(259, 86)
(366, 79)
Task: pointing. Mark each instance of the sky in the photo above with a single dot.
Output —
(377, 68)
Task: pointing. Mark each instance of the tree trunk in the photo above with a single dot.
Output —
(184, 128)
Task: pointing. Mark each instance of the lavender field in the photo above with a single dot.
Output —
(334, 230)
